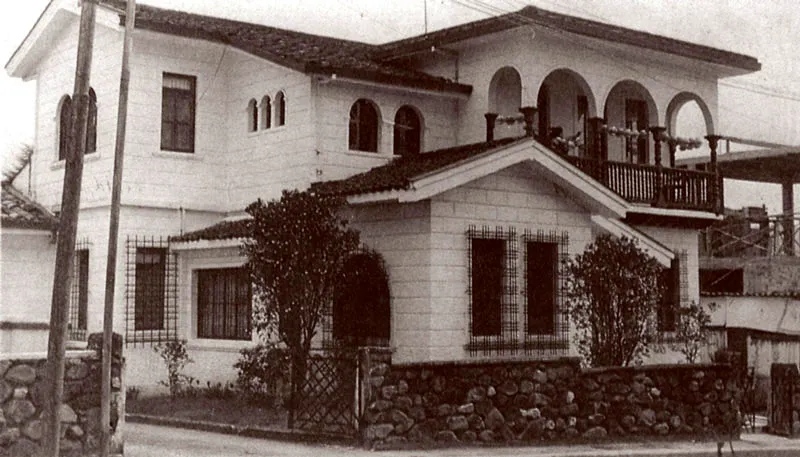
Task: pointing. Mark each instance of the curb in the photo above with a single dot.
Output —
(295, 436)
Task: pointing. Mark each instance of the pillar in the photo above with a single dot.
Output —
(491, 118)
(528, 112)
(788, 217)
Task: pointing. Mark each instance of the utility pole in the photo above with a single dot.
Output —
(67, 228)
(113, 229)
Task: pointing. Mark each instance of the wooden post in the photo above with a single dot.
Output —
(716, 183)
(490, 120)
(787, 188)
(657, 131)
(595, 138)
(67, 228)
(673, 147)
(113, 229)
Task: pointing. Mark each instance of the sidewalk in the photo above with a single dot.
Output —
(750, 444)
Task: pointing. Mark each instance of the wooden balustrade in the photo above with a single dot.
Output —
(662, 187)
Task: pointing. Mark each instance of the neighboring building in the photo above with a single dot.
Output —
(224, 112)
(28, 247)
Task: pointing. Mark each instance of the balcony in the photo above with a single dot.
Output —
(752, 236)
(657, 186)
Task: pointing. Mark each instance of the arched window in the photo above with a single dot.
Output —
(64, 126)
(505, 92)
(280, 109)
(407, 131)
(91, 126)
(364, 122)
(252, 115)
(266, 112)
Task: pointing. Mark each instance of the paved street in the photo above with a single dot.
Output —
(158, 441)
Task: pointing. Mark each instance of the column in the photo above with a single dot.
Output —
(788, 216)
(490, 120)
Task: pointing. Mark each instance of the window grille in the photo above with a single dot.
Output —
(79, 293)
(546, 320)
(224, 304)
(492, 291)
(151, 291)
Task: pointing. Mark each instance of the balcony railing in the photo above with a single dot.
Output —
(657, 186)
(752, 237)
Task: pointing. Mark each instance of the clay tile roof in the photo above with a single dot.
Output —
(531, 15)
(400, 173)
(307, 53)
(19, 211)
(221, 231)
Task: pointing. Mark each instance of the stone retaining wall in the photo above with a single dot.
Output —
(528, 402)
(22, 391)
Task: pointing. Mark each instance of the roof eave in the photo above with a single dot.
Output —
(442, 86)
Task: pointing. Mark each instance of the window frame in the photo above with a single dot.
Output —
(233, 277)
(149, 305)
(401, 137)
(176, 95)
(364, 133)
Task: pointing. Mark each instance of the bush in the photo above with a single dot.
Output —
(175, 357)
(263, 373)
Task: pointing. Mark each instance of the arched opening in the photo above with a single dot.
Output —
(266, 112)
(564, 105)
(505, 92)
(630, 106)
(407, 131)
(361, 308)
(91, 124)
(280, 109)
(688, 117)
(64, 126)
(252, 115)
(364, 124)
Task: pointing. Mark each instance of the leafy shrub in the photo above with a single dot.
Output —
(175, 357)
(263, 373)
(220, 391)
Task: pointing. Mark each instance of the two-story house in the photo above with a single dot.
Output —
(473, 159)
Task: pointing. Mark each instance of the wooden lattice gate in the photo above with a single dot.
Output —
(327, 400)
(785, 385)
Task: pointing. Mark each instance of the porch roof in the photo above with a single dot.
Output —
(772, 165)
(21, 212)
(303, 52)
(531, 15)
(224, 230)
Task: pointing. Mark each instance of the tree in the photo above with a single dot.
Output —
(297, 247)
(612, 292)
(691, 330)
(17, 162)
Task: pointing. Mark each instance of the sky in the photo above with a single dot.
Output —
(763, 106)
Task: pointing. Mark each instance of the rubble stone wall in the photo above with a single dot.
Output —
(552, 401)
(22, 395)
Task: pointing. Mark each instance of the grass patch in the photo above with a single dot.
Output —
(234, 411)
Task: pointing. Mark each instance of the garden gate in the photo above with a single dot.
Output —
(785, 385)
(327, 401)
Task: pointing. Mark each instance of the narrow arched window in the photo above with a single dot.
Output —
(252, 115)
(266, 112)
(280, 109)
(407, 131)
(91, 125)
(64, 126)
(364, 122)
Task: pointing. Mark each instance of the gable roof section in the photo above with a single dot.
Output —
(21, 212)
(531, 15)
(306, 53)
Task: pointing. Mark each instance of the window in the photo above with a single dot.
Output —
(266, 112)
(722, 280)
(542, 268)
(364, 122)
(407, 132)
(667, 311)
(91, 126)
(252, 116)
(149, 290)
(280, 109)
(79, 295)
(636, 119)
(224, 304)
(64, 126)
(178, 113)
(487, 286)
